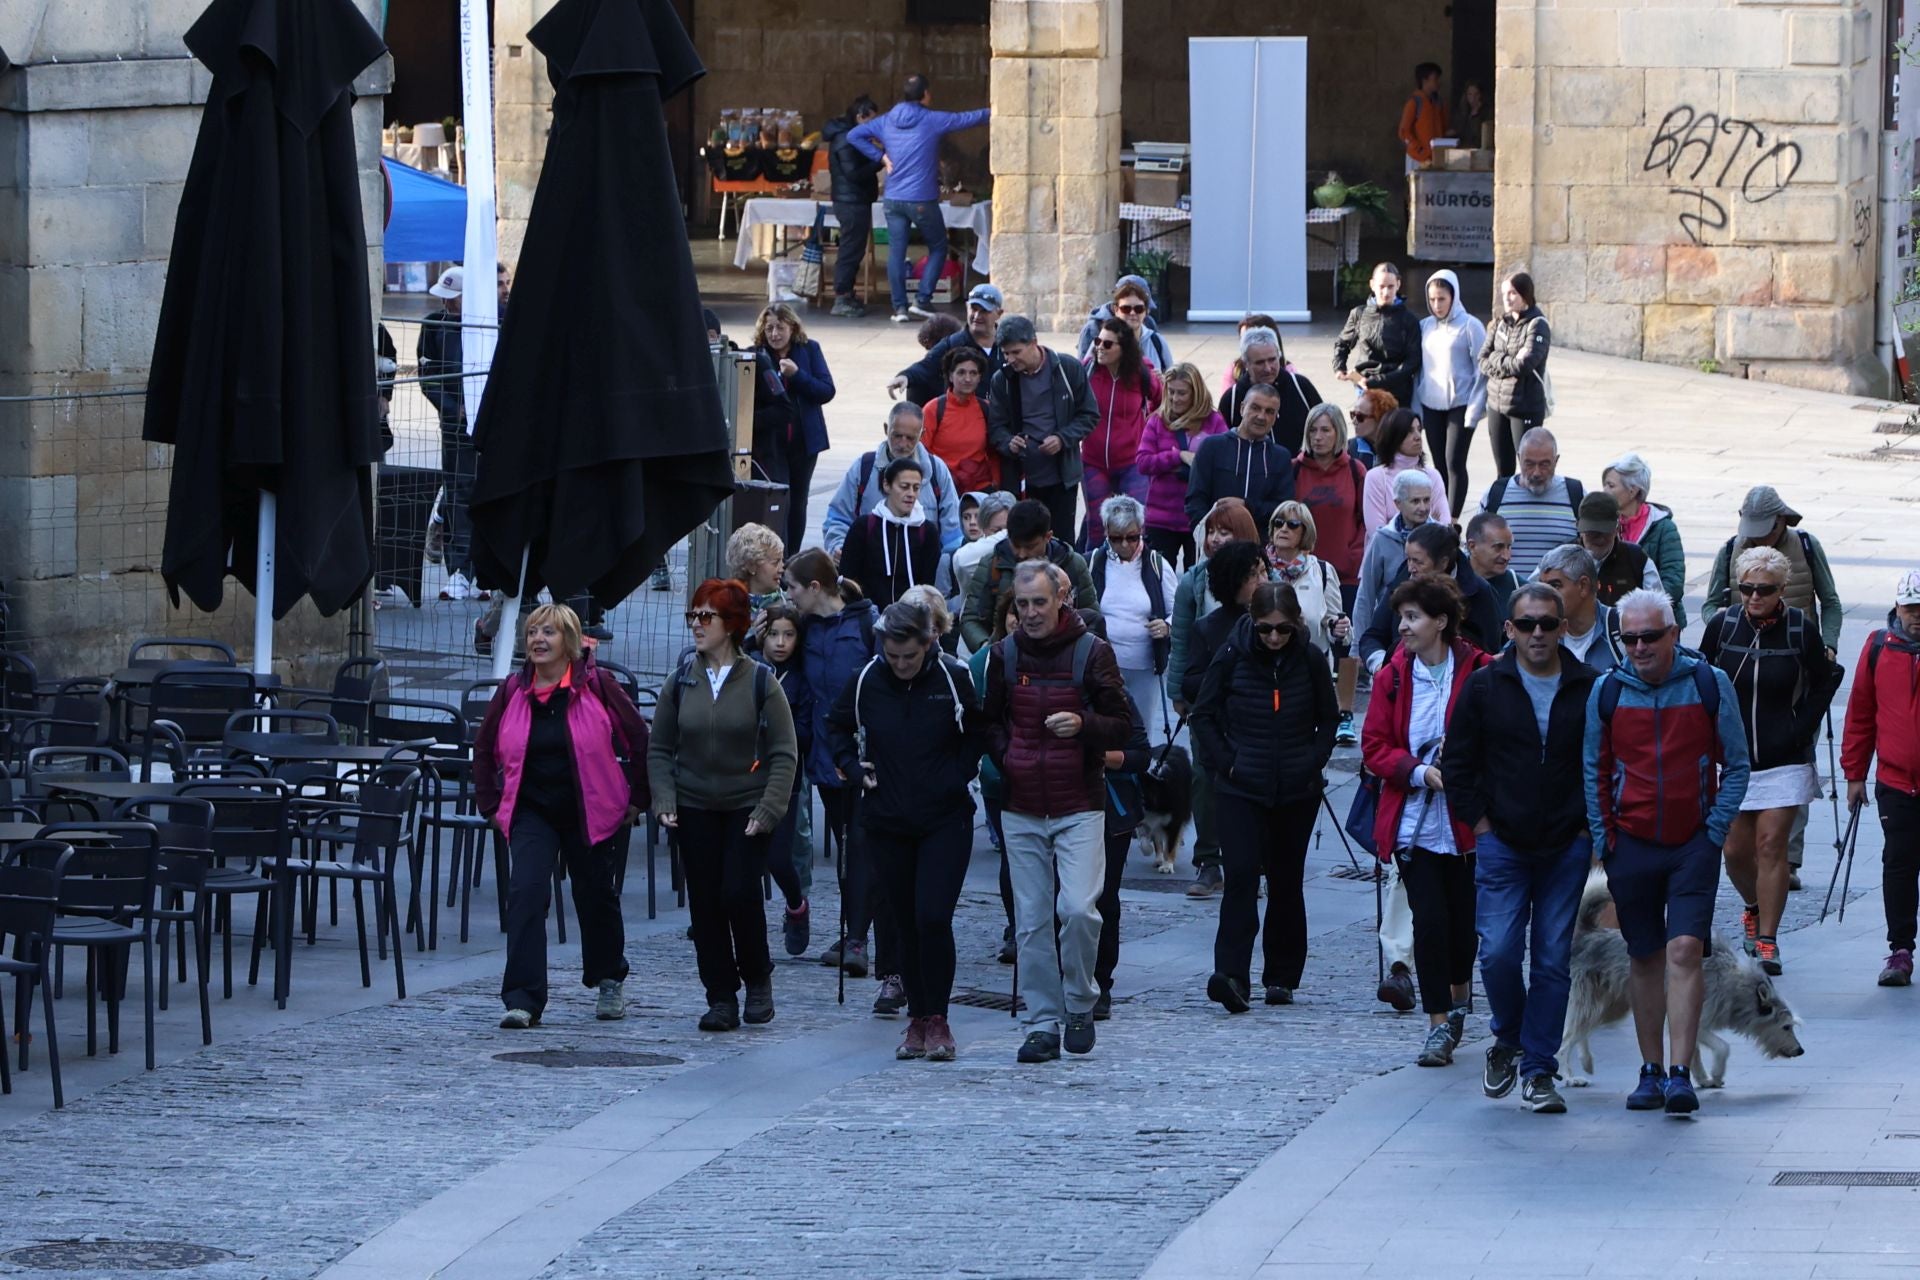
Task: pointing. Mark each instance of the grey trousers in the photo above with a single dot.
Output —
(1056, 981)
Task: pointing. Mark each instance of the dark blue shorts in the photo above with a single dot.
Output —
(1663, 891)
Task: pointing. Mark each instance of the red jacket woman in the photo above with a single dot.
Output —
(1384, 745)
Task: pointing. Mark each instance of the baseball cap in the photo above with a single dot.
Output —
(1599, 513)
(1762, 506)
(451, 284)
(987, 297)
(1908, 589)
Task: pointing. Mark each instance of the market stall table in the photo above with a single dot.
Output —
(766, 211)
(1333, 235)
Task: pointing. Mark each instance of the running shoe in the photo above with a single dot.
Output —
(1503, 1068)
(1681, 1099)
(1651, 1093)
(939, 1039)
(1899, 969)
(914, 1045)
(1344, 736)
(1749, 926)
(1767, 952)
(1438, 1050)
(1538, 1094)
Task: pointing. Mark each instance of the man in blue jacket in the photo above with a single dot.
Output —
(908, 139)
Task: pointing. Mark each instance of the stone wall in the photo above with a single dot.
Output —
(1360, 60)
(1695, 182)
(98, 114)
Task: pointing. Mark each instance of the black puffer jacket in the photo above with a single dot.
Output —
(1209, 636)
(1383, 346)
(1265, 721)
(1515, 363)
(1784, 691)
(856, 175)
(1497, 768)
(923, 755)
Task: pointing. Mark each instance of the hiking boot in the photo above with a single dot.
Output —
(1279, 995)
(1344, 736)
(1438, 1051)
(1681, 1099)
(892, 997)
(1103, 1005)
(1899, 970)
(519, 1020)
(721, 1015)
(1793, 880)
(1396, 989)
(796, 928)
(1080, 1032)
(1229, 993)
(847, 308)
(1538, 1094)
(1767, 952)
(855, 960)
(611, 1004)
(1651, 1093)
(1206, 882)
(914, 1045)
(939, 1038)
(831, 956)
(759, 1001)
(1457, 1022)
(1503, 1068)
(1750, 927)
(1040, 1046)
(1009, 949)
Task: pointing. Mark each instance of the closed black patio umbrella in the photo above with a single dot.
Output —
(601, 437)
(263, 371)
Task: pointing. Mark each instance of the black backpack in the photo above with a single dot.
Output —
(1156, 597)
(1498, 493)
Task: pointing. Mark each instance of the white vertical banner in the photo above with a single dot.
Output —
(1249, 177)
(480, 304)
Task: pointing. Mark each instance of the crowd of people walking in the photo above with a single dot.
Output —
(1248, 564)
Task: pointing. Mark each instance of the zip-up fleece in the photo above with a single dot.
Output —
(1883, 712)
(601, 719)
(924, 738)
(1498, 767)
(709, 752)
(1660, 769)
(1259, 472)
(1114, 444)
(1048, 776)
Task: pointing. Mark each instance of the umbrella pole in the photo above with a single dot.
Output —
(263, 586)
(509, 622)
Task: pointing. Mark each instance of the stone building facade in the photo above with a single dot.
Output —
(99, 106)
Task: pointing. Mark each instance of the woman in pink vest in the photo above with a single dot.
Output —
(559, 768)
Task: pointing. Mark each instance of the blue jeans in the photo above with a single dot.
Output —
(1510, 887)
(923, 216)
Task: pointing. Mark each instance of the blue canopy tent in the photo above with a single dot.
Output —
(426, 216)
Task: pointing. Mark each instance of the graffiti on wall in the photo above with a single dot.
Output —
(1713, 161)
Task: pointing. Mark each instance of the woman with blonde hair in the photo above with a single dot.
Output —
(1186, 417)
(1291, 539)
(789, 425)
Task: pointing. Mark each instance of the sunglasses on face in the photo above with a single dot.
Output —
(1527, 626)
(1762, 589)
(700, 617)
(1123, 539)
(1135, 310)
(1634, 639)
(1106, 344)
(1361, 417)
(1289, 524)
(1272, 628)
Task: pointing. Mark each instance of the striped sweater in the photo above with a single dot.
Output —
(1540, 522)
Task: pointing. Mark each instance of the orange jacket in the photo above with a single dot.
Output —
(957, 435)
(1423, 119)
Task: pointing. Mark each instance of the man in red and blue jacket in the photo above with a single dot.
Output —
(1883, 719)
(1666, 770)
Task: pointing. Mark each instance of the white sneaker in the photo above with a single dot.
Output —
(457, 588)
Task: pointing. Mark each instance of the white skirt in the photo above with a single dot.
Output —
(1788, 787)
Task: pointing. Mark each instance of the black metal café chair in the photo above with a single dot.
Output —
(20, 702)
(440, 735)
(47, 764)
(376, 833)
(196, 704)
(107, 897)
(265, 737)
(30, 877)
(250, 833)
(154, 651)
(356, 683)
(185, 827)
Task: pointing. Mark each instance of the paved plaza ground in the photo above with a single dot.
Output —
(353, 1135)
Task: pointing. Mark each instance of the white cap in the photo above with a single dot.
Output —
(1908, 591)
(451, 284)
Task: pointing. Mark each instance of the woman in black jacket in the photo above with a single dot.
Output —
(909, 728)
(1515, 364)
(1784, 681)
(1264, 724)
(1380, 346)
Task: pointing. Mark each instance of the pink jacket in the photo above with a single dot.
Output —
(1115, 440)
(600, 719)
(1378, 502)
(1159, 457)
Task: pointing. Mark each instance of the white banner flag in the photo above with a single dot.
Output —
(480, 304)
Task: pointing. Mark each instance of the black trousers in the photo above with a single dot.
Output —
(800, 465)
(1063, 501)
(1440, 893)
(780, 852)
(1447, 441)
(1174, 546)
(723, 866)
(535, 848)
(923, 872)
(1504, 432)
(864, 891)
(856, 228)
(1900, 881)
(1107, 957)
(1259, 840)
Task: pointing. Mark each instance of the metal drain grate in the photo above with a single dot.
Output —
(978, 999)
(1156, 883)
(1363, 874)
(1844, 1178)
(568, 1058)
(115, 1255)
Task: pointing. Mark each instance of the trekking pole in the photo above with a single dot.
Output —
(840, 876)
(1379, 918)
(1833, 774)
(1843, 854)
(1338, 830)
(1853, 843)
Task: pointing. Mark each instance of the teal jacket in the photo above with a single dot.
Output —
(1661, 541)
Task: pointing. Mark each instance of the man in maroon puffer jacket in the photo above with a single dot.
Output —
(1055, 705)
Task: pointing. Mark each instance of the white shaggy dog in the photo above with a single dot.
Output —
(1739, 997)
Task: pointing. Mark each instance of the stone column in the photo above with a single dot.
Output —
(1056, 156)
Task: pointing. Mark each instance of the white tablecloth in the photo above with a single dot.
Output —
(774, 211)
(1333, 235)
